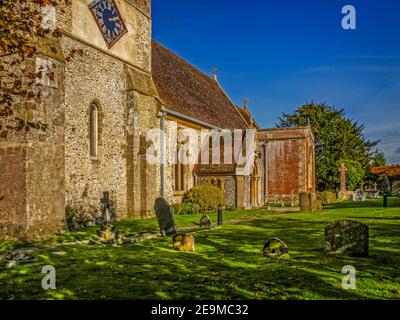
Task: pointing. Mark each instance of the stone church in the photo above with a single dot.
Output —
(87, 133)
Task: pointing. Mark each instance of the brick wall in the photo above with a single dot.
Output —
(12, 191)
(290, 163)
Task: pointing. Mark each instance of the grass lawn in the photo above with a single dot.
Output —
(228, 263)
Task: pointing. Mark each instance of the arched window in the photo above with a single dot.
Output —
(94, 131)
(180, 172)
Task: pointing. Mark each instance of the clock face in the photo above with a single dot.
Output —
(109, 20)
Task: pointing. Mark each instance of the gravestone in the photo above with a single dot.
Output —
(17, 258)
(305, 202)
(220, 208)
(359, 195)
(183, 242)
(107, 233)
(347, 237)
(371, 193)
(106, 211)
(275, 247)
(108, 214)
(165, 217)
(205, 222)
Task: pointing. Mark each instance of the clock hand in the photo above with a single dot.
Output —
(113, 19)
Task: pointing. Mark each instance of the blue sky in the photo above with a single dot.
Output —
(281, 54)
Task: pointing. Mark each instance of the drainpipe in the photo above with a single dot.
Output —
(266, 156)
(162, 153)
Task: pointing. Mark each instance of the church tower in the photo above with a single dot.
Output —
(110, 105)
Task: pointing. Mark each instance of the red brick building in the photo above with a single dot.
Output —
(289, 162)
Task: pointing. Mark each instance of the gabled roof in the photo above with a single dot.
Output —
(186, 90)
(251, 122)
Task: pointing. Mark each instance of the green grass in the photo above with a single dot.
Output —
(228, 262)
(128, 228)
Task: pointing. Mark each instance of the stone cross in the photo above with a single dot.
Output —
(343, 187)
(106, 210)
(214, 73)
(245, 103)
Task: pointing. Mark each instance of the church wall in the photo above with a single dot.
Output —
(143, 177)
(168, 169)
(122, 95)
(247, 191)
(170, 195)
(102, 82)
(230, 191)
(12, 190)
(229, 180)
(284, 168)
(32, 160)
(120, 84)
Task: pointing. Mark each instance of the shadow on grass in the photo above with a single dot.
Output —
(228, 264)
(162, 274)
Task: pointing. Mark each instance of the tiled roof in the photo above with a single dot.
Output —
(248, 117)
(188, 91)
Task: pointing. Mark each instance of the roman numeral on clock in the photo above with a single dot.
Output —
(109, 20)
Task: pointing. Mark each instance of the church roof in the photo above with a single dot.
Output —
(391, 171)
(248, 117)
(186, 90)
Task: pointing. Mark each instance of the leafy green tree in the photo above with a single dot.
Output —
(337, 139)
(355, 174)
(371, 179)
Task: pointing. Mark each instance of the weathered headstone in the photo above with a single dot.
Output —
(107, 233)
(165, 217)
(17, 258)
(108, 214)
(359, 195)
(205, 222)
(305, 202)
(371, 193)
(275, 247)
(347, 237)
(183, 242)
(220, 222)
